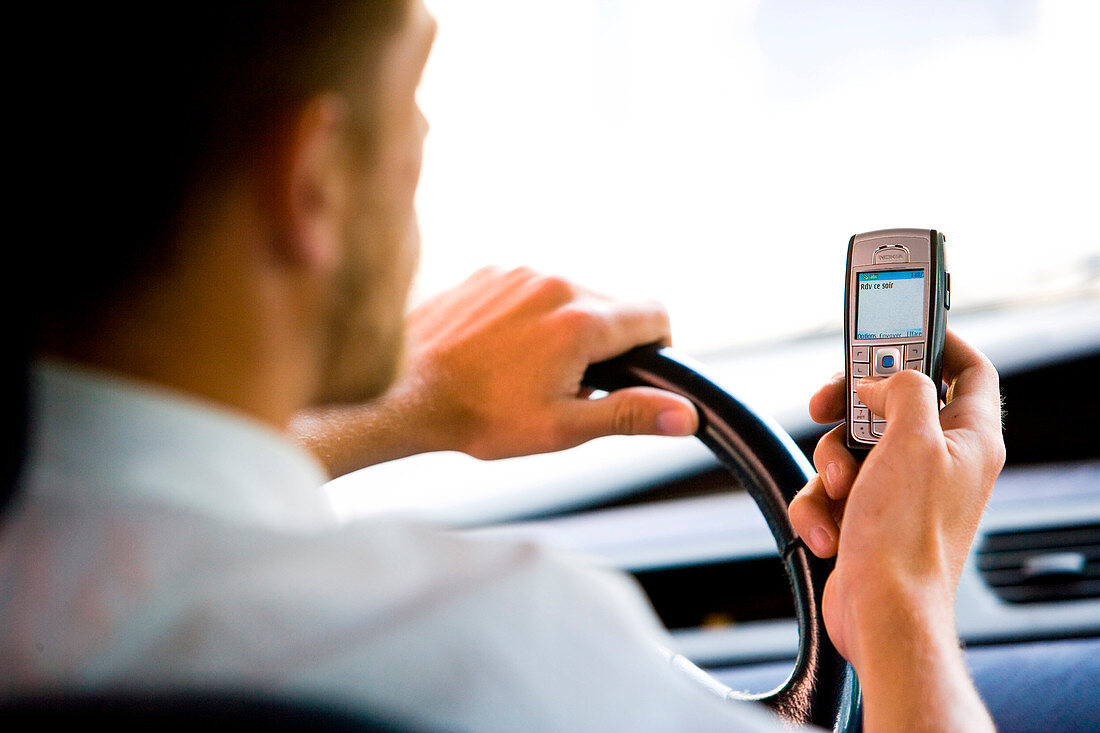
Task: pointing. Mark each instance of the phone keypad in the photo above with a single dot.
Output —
(879, 361)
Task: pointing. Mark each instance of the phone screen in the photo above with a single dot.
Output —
(890, 304)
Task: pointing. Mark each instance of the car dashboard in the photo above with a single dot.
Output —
(664, 511)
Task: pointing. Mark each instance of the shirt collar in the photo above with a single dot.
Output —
(97, 437)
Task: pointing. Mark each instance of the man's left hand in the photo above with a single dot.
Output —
(493, 368)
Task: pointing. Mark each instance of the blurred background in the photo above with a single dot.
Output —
(718, 154)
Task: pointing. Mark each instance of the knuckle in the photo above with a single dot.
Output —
(650, 317)
(582, 324)
(655, 309)
(986, 368)
(552, 288)
(517, 279)
(626, 419)
(913, 383)
(487, 273)
(914, 380)
(490, 270)
(927, 442)
(799, 510)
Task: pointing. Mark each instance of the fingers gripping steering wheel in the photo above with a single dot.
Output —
(822, 690)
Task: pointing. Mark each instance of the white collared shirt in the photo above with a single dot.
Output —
(158, 541)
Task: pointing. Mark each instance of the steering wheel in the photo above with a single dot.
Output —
(822, 689)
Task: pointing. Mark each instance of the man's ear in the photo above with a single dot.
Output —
(311, 193)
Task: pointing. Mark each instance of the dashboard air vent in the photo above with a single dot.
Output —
(719, 594)
(1042, 565)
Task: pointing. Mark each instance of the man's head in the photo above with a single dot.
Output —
(166, 122)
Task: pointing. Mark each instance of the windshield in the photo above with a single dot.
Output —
(718, 155)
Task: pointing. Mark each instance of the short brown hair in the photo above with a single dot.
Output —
(148, 105)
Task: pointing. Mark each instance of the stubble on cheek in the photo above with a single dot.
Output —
(365, 324)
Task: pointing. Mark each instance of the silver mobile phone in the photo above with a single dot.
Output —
(896, 300)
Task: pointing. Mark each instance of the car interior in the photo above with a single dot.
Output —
(671, 514)
(718, 158)
(686, 523)
(729, 151)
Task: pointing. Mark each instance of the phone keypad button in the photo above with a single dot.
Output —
(861, 353)
(878, 427)
(861, 369)
(862, 431)
(888, 360)
(913, 351)
(918, 365)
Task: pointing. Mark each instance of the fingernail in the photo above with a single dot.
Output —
(819, 540)
(675, 422)
(832, 475)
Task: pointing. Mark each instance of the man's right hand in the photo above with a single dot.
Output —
(901, 525)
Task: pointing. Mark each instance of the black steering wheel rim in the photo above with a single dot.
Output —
(822, 689)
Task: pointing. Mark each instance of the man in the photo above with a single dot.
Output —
(165, 533)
